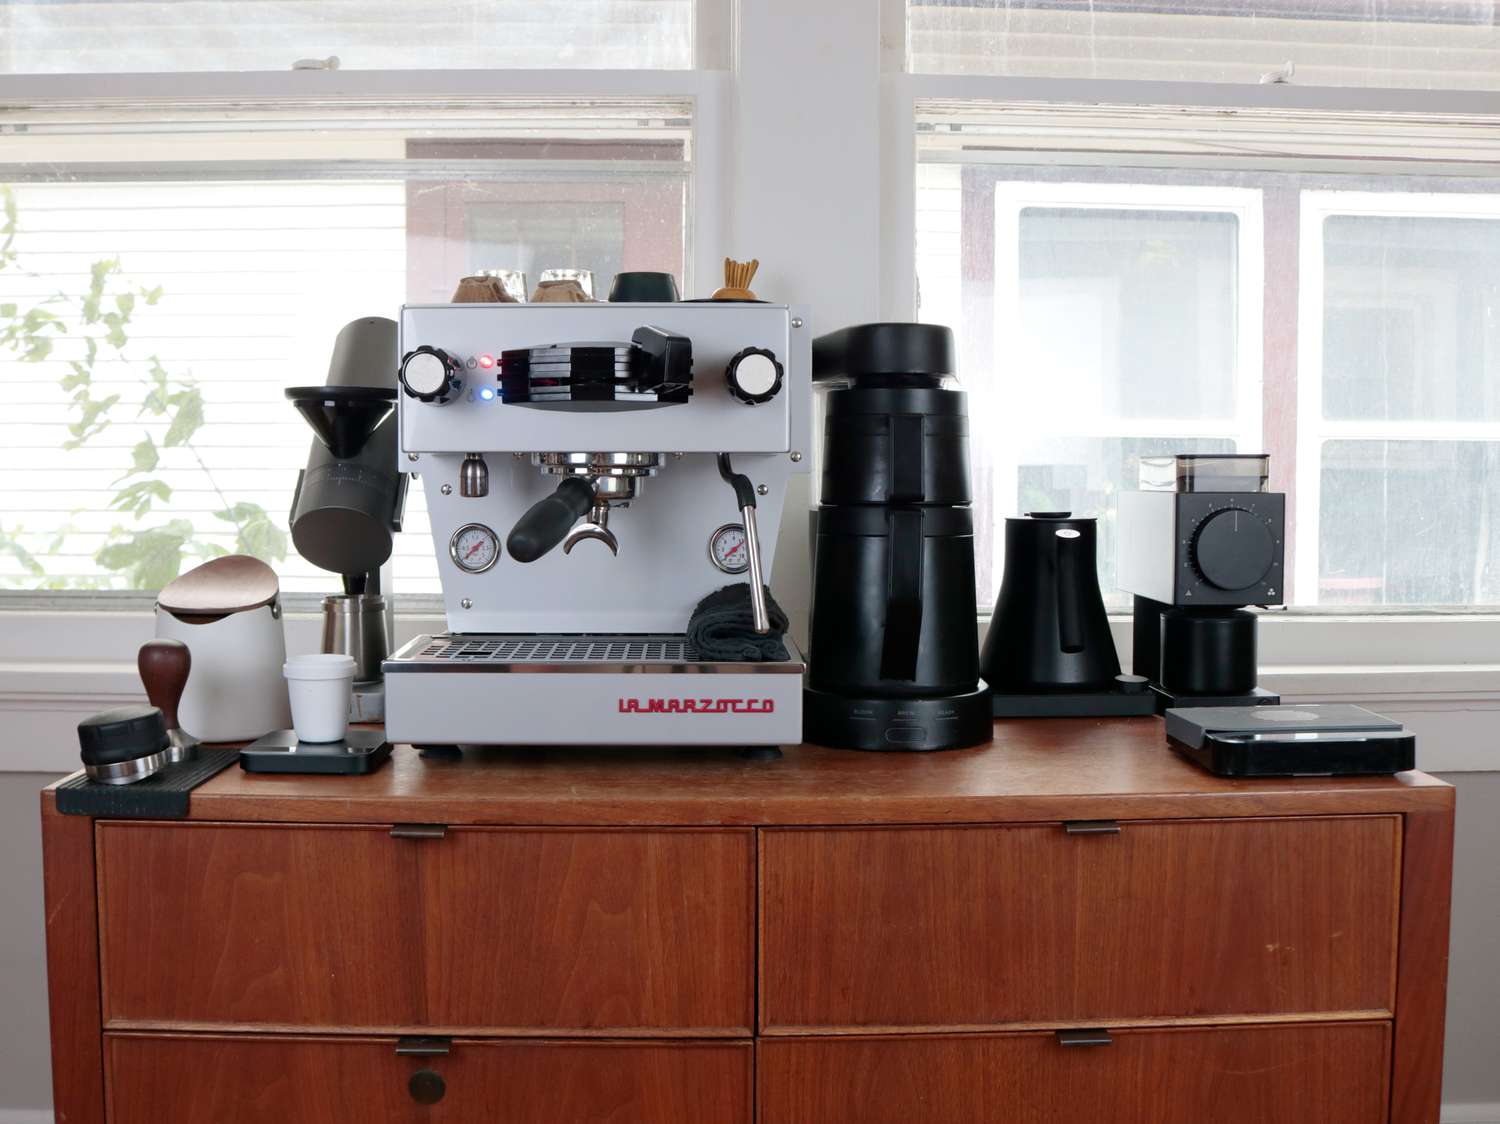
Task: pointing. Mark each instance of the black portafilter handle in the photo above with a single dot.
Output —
(548, 521)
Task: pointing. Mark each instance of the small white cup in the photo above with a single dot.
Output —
(320, 687)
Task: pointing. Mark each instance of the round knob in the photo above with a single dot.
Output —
(164, 667)
(1233, 549)
(430, 375)
(754, 376)
(427, 1086)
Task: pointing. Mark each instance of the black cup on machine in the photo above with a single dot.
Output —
(1049, 651)
(894, 661)
(1199, 541)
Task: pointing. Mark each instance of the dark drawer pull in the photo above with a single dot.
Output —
(1092, 827)
(423, 1047)
(419, 831)
(1084, 1038)
(427, 1086)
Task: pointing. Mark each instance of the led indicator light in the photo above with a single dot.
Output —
(486, 393)
(486, 361)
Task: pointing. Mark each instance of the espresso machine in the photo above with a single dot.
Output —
(351, 497)
(594, 471)
(1200, 541)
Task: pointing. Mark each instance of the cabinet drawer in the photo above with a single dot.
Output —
(979, 927)
(347, 927)
(158, 1079)
(1305, 1074)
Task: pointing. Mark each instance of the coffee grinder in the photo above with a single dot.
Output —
(350, 498)
(1199, 542)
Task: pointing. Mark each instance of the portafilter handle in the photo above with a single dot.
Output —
(744, 495)
(548, 521)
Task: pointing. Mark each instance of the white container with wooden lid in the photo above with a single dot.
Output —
(228, 612)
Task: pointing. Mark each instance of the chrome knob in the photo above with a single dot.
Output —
(430, 374)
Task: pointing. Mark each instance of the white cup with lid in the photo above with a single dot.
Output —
(320, 687)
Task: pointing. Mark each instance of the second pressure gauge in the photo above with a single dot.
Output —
(727, 549)
(474, 548)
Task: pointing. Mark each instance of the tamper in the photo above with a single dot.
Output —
(164, 667)
(124, 745)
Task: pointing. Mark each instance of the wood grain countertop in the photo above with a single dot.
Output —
(1032, 770)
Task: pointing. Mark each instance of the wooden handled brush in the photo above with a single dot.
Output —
(737, 278)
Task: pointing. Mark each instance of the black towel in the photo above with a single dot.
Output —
(722, 627)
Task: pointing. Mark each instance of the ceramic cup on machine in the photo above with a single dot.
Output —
(321, 687)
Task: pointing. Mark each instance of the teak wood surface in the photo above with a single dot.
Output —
(1036, 769)
(1259, 950)
(222, 1079)
(991, 925)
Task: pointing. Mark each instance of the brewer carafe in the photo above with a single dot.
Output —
(895, 661)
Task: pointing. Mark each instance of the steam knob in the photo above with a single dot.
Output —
(430, 374)
(1233, 549)
(754, 376)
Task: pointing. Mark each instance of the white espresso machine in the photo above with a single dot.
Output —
(593, 471)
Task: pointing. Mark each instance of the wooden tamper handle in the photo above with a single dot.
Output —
(164, 667)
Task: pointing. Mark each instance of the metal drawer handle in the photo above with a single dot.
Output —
(419, 830)
(1084, 1038)
(1092, 827)
(423, 1047)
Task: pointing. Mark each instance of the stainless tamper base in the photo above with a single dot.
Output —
(128, 772)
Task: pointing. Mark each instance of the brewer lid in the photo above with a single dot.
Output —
(914, 354)
(122, 734)
(232, 584)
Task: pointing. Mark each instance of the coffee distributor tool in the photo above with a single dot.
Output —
(598, 429)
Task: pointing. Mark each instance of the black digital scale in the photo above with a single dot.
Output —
(359, 751)
(1291, 741)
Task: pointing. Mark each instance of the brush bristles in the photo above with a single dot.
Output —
(739, 274)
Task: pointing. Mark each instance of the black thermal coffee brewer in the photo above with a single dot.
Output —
(895, 651)
(1198, 543)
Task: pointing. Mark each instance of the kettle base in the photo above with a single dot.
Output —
(922, 724)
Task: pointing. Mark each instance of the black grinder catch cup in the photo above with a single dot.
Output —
(895, 654)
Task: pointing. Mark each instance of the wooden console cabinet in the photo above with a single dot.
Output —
(1068, 925)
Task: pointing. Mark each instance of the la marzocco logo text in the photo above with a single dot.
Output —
(697, 706)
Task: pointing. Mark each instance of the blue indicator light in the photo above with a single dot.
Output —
(487, 393)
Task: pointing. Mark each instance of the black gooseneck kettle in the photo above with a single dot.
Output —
(895, 655)
(1049, 631)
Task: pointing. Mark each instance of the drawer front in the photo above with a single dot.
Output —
(337, 927)
(1306, 1074)
(977, 927)
(158, 1079)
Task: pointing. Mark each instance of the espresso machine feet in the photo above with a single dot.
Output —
(440, 752)
(759, 752)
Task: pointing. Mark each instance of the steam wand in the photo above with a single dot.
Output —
(744, 494)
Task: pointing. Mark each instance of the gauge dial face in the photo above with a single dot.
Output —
(727, 549)
(474, 548)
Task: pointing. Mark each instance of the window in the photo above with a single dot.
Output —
(1128, 281)
(1446, 44)
(153, 36)
(162, 281)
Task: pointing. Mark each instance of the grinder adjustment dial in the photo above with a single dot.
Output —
(429, 374)
(1233, 549)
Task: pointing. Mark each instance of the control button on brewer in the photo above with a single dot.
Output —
(429, 374)
(906, 735)
(754, 375)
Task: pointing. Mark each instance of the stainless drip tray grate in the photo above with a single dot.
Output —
(560, 649)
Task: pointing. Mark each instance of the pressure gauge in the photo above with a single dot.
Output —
(474, 548)
(727, 549)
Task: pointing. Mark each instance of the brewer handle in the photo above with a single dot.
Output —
(548, 521)
(744, 498)
(1069, 581)
(903, 601)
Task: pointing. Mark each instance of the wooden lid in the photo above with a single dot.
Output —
(231, 584)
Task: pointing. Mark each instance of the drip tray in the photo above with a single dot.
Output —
(592, 652)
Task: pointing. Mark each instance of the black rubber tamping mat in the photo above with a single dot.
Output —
(161, 796)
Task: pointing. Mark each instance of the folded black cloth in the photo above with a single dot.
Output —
(722, 627)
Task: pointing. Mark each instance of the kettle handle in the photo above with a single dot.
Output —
(1069, 581)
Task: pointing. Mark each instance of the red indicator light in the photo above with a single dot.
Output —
(486, 361)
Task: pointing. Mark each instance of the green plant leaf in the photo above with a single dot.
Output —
(188, 418)
(137, 498)
(144, 457)
(151, 558)
(258, 536)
